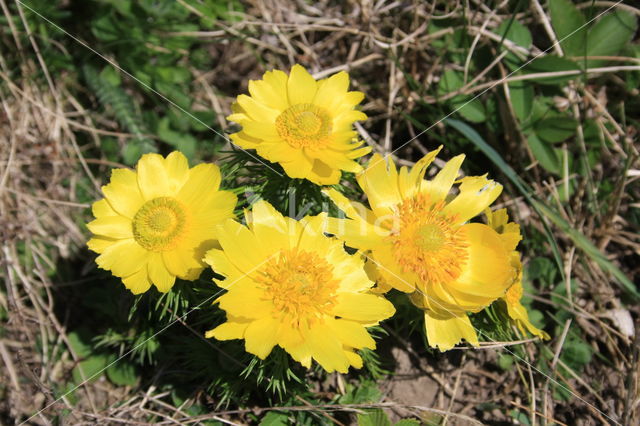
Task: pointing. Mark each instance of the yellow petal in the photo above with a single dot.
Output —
(409, 182)
(380, 182)
(278, 81)
(203, 179)
(269, 225)
(269, 95)
(445, 333)
(258, 111)
(159, 274)
(100, 244)
(228, 331)
(153, 179)
(242, 247)
(179, 263)
(137, 283)
(441, 184)
(363, 307)
(332, 90)
(177, 169)
(123, 258)
(326, 349)
(351, 334)
(246, 301)
(476, 194)
(122, 192)
(116, 227)
(391, 271)
(295, 344)
(489, 271)
(354, 359)
(102, 208)
(301, 87)
(261, 336)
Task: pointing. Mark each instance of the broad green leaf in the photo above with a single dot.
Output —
(555, 129)
(183, 142)
(569, 25)
(110, 75)
(122, 373)
(471, 110)
(407, 422)
(609, 35)
(505, 361)
(449, 81)
(517, 33)
(105, 29)
(521, 94)
(174, 92)
(273, 418)
(90, 369)
(546, 155)
(79, 344)
(206, 117)
(549, 64)
(375, 417)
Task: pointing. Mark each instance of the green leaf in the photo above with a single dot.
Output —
(505, 362)
(183, 142)
(375, 417)
(110, 75)
(206, 117)
(122, 373)
(408, 422)
(105, 29)
(546, 155)
(555, 129)
(517, 33)
(449, 81)
(569, 25)
(78, 344)
(521, 94)
(274, 418)
(609, 35)
(90, 368)
(473, 110)
(552, 63)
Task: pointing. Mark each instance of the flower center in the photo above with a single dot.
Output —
(428, 242)
(159, 224)
(301, 286)
(304, 125)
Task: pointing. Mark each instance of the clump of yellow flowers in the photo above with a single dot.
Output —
(291, 283)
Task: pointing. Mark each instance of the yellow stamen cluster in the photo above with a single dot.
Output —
(159, 224)
(304, 125)
(427, 242)
(301, 286)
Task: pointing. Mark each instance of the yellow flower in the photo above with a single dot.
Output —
(290, 285)
(156, 223)
(510, 233)
(418, 236)
(303, 124)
